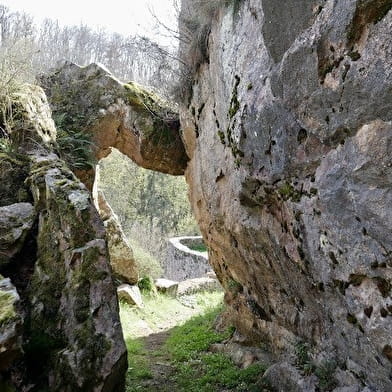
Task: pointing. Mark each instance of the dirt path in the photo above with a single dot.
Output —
(159, 363)
(162, 372)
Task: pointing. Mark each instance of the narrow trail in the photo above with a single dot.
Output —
(160, 365)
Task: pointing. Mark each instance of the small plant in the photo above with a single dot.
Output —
(303, 360)
(74, 146)
(146, 284)
(325, 372)
(233, 286)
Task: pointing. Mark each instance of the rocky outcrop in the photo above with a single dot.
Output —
(121, 115)
(181, 262)
(73, 319)
(16, 221)
(54, 251)
(289, 130)
(120, 252)
(11, 323)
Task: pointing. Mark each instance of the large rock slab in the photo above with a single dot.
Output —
(15, 222)
(121, 115)
(293, 203)
(11, 324)
(167, 286)
(130, 294)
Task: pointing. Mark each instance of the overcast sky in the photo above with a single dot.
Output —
(122, 16)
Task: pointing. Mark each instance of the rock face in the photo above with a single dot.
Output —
(11, 322)
(124, 116)
(74, 311)
(289, 131)
(54, 251)
(181, 262)
(16, 221)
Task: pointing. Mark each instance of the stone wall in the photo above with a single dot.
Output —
(181, 262)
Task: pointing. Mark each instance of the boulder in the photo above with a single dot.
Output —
(15, 222)
(130, 294)
(11, 324)
(167, 286)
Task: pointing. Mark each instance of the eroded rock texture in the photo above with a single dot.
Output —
(124, 116)
(289, 132)
(53, 250)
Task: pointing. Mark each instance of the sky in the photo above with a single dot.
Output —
(126, 17)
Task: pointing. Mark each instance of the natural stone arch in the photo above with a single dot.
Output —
(122, 115)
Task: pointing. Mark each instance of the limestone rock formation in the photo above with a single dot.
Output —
(16, 221)
(124, 116)
(289, 130)
(11, 321)
(54, 252)
(130, 294)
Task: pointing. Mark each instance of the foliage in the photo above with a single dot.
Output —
(15, 70)
(325, 372)
(303, 359)
(74, 146)
(152, 199)
(147, 264)
(129, 58)
(151, 207)
(145, 284)
(198, 247)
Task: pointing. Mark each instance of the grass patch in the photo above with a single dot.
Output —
(201, 371)
(138, 368)
(198, 247)
(196, 369)
(162, 312)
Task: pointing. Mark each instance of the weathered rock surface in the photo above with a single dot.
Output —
(181, 262)
(167, 286)
(74, 320)
(124, 116)
(130, 294)
(196, 285)
(289, 130)
(72, 336)
(11, 324)
(120, 252)
(15, 222)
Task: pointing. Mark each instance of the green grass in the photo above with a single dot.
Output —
(198, 247)
(138, 368)
(197, 370)
(201, 371)
(162, 312)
